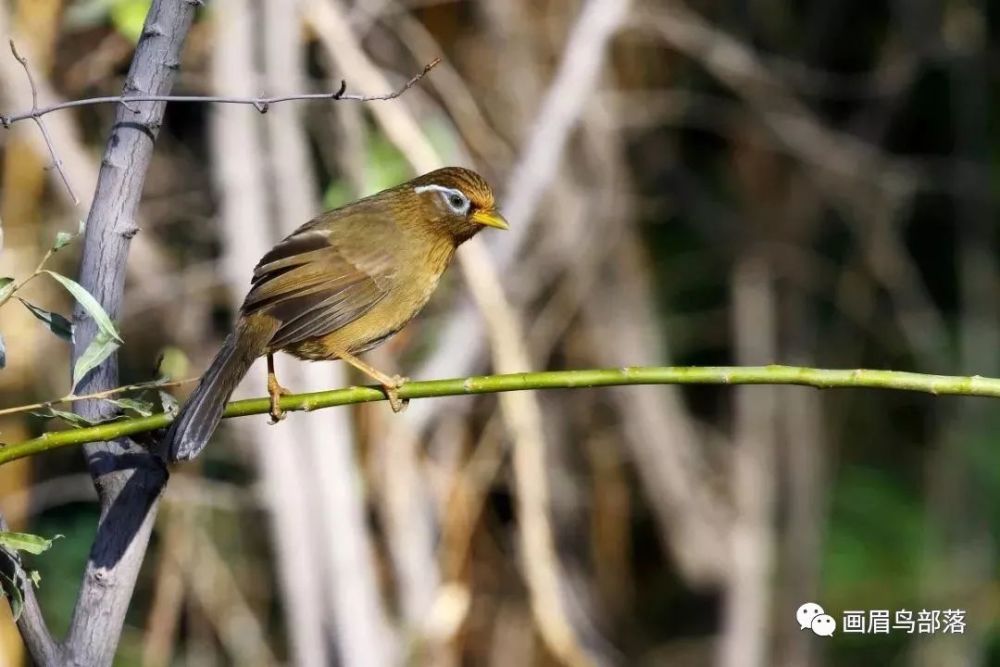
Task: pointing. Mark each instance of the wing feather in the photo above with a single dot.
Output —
(322, 277)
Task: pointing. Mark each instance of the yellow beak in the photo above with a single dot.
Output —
(490, 219)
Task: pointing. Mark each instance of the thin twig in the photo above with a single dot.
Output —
(262, 104)
(36, 115)
(72, 398)
(821, 378)
(37, 272)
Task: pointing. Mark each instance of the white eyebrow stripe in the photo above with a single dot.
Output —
(420, 189)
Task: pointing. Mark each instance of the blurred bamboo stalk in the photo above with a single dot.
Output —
(550, 596)
(747, 607)
(410, 523)
(347, 587)
(22, 240)
(167, 602)
(461, 342)
(962, 567)
(241, 158)
(666, 447)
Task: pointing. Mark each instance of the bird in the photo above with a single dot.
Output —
(339, 285)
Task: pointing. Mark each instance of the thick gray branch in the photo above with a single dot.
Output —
(129, 481)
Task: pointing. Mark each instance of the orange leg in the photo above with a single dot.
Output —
(389, 384)
(275, 391)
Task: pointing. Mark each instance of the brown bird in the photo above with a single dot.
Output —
(339, 285)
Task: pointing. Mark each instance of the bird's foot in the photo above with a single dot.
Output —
(395, 402)
(276, 391)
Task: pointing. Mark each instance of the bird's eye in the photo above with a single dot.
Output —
(457, 202)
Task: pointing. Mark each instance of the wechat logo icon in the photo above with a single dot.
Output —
(810, 615)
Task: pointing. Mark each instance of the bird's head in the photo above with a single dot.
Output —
(458, 201)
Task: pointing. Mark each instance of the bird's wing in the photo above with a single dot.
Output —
(323, 276)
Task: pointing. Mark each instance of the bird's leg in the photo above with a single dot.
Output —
(275, 391)
(389, 384)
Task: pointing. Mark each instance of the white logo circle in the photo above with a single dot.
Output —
(824, 625)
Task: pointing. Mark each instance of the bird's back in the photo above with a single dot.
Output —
(347, 280)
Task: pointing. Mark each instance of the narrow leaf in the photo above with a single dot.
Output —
(7, 286)
(70, 418)
(63, 239)
(89, 303)
(56, 323)
(99, 349)
(33, 544)
(36, 578)
(16, 597)
(142, 408)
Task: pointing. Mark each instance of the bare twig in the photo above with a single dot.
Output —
(262, 104)
(35, 114)
(37, 272)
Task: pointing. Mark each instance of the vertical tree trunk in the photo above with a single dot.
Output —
(129, 480)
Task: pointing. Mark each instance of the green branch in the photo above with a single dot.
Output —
(810, 377)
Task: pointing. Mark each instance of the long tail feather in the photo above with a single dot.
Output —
(202, 412)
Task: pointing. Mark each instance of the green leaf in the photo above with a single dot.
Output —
(89, 303)
(7, 286)
(36, 578)
(16, 597)
(63, 239)
(33, 544)
(56, 323)
(99, 349)
(142, 408)
(70, 418)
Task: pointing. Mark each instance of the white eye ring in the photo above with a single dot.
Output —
(456, 202)
(453, 199)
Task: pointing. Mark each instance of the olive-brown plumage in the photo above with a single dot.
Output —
(339, 285)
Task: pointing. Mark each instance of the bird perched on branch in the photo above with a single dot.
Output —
(339, 285)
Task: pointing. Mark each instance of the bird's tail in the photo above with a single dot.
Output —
(202, 412)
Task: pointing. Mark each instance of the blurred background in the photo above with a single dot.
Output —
(703, 182)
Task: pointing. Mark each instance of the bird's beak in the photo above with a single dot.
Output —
(490, 219)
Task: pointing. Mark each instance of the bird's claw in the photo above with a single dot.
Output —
(276, 391)
(395, 402)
